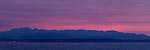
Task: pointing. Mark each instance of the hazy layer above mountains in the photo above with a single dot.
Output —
(28, 33)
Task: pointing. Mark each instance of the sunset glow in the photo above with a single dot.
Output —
(121, 15)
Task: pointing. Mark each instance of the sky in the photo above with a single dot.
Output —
(121, 15)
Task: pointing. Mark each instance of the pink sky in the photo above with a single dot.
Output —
(121, 15)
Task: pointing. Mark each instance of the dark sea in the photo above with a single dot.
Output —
(75, 46)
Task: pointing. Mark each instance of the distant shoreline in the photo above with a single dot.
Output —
(72, 40)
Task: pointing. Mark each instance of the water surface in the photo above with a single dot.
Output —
(74, 46)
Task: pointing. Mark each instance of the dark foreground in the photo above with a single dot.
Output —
(75, 46)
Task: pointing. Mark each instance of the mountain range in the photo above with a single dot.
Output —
(28, 33)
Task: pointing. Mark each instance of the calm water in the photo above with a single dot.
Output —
(74, 46)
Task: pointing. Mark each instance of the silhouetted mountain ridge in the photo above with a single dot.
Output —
(28, 33)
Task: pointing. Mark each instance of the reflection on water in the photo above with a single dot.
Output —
(74, 46)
